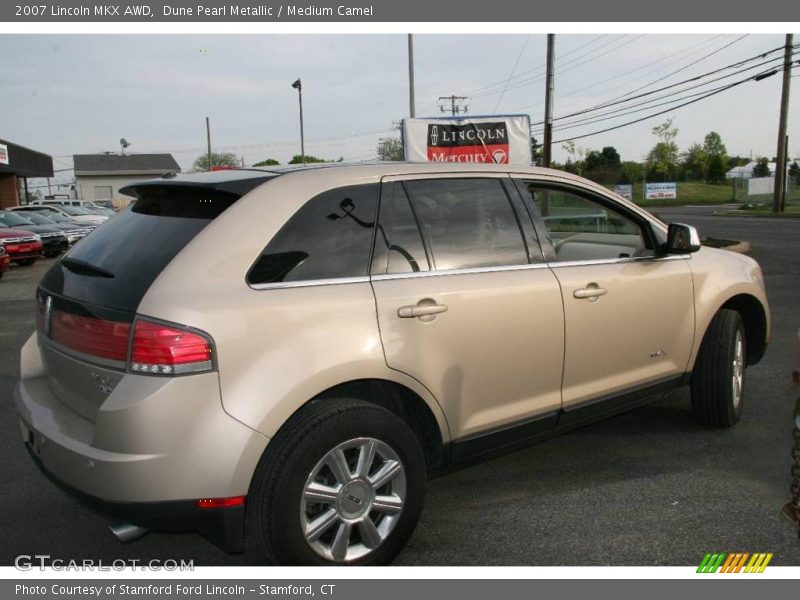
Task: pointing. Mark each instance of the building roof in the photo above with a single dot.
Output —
(25, 162)
(124, 164)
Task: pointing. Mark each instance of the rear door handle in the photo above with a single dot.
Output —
(420, 310)
(590, 292)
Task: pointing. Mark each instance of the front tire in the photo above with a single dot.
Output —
(26, 262)
(718, 377)
(342, 483)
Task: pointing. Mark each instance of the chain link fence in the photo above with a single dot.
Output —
(759, 191)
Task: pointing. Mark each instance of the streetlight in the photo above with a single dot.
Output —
(299, 87)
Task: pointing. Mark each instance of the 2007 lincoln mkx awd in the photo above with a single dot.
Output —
(292, 353)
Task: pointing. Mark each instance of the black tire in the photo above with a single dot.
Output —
(714, 398)
(274, 502)
(26, 262)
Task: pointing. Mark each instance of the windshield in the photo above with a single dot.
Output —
(54, 216)
(10, 219)
(75, 210)
(39, 219)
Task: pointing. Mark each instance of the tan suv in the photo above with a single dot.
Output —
(291, 354)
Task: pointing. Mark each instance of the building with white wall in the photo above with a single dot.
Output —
(99, 177)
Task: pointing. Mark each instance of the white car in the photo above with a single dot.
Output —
(76, 213)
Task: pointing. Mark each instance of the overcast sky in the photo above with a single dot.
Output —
(82, 93)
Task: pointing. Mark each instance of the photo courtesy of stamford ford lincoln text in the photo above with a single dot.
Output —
(300, 286)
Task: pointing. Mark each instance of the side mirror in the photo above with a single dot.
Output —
(682, 239)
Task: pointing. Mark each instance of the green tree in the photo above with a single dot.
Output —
(693, 162)
(218, 159)
(297, 159)
(390, 149)
(574, 163)
(630, 171)
(716, 158)
(536, 152)
(267, 162)
(611, 156)
(663, 157)
(761, 168)
(794, 169)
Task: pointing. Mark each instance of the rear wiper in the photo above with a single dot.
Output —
(84, 268)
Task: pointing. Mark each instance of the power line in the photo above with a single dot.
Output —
(639, 68)
(757, 77)
(513, 69)
(697, 78)
(525, 82)
(538, 67)
(626, 109)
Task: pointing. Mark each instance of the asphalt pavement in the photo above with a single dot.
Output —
(650, 487)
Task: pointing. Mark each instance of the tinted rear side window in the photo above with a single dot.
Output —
(330, 237)
(117, 263)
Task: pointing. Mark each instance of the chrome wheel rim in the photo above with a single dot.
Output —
(738, 371)
(353, 499)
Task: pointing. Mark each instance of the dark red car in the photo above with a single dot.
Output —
(23, 247)
(4, 260)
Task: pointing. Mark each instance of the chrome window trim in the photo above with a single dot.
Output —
(308, 283)
(470, 271)
(611, 261)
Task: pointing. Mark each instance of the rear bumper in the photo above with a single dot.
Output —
(222, 526)
(149, 450)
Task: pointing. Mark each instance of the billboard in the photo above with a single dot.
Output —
(3, 154)
(501, 139)
(661, 191)
(625, 190)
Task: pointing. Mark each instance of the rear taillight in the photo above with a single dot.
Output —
(166, 350)
(90, 336)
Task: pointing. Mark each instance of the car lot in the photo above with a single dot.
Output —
(649, 487)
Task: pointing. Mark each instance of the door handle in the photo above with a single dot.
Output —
(420, 310)
(590, 292)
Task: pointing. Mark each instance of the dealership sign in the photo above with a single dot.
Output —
(502, 139)
(625, 190)
(3, 154)
(661, 191)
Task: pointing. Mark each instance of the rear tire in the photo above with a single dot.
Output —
(718, 377)
(342, 482)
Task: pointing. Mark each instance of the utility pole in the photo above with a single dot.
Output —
(208, 140)
(780, 177)
(457, 104)
(547, 150)
(412, 110)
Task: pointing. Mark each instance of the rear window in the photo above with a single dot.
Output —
(117, 263)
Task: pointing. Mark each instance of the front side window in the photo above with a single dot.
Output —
(581, 229)
(467, 223)
(330, 237)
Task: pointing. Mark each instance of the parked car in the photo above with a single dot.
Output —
(77, 213)
(23, 247)
(307, 346)
(54, 240)
(4, 260)
(71, 229)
